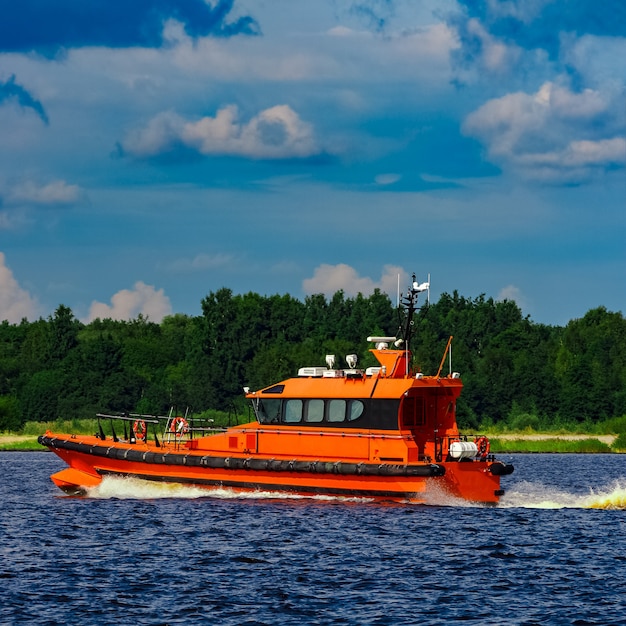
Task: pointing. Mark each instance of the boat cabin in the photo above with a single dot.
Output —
(386, 400)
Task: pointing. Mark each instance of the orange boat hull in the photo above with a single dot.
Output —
(90, 459)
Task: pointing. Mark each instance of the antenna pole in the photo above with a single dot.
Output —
(398, 293)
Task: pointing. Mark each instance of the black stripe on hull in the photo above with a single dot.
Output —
(234, 463)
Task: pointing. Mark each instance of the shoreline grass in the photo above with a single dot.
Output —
(24, 444)
(553, 445)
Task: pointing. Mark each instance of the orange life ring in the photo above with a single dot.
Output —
(140, 430)
(179, 426)
(483, 445)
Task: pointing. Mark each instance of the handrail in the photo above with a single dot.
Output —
(282, 431)
(132, 417)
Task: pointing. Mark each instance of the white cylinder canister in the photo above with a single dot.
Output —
(463, 450)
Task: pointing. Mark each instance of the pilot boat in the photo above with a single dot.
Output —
(387, 432)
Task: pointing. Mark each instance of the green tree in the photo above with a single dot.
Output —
(36, 349)
(63, 332)
(591, 366)
(514, 371)
(39, 396)
(10, 419)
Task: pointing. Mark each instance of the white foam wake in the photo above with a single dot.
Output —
(538, 496)
(129, 488)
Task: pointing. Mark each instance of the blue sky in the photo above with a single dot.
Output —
(154, 151)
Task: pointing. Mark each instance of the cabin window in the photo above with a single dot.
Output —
(268, 411)
(275, 389)
(315, 411)
(413, 411)
(356, 410)
(364, 413)
(337, 410)
(293, 411)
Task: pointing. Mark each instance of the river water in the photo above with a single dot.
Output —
(553, 552)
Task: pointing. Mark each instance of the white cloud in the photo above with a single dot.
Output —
(525, 10)
(56, 192)
(15, 302)
(603, 151)
(495, 56)
(161, 134)
(561, 102)
(275, 133)
(328, 279)
(416, 48)
(599, 60)
(554, 134)
(342, 31)
(511, 292)
(387, 179)
(579, 154)
(18, 198)
(128, 304)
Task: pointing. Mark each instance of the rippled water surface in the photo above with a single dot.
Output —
(554, 552)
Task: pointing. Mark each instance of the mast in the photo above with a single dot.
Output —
(409, 301)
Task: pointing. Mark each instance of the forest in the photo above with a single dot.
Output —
(515, 372)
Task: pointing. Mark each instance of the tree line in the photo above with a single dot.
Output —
(515, 371)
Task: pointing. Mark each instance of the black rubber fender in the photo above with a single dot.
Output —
(499, 468)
